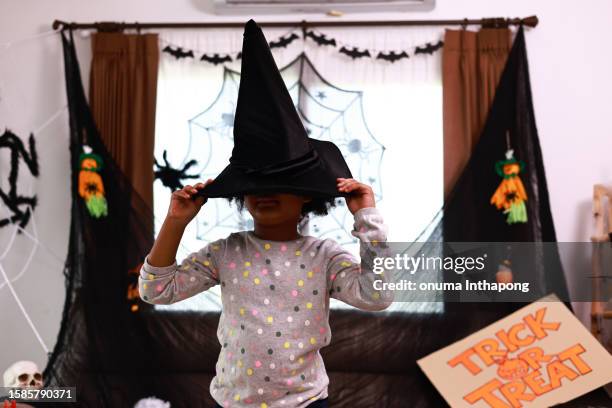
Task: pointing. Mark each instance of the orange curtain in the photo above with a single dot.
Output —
(472, 65)
(123, 91)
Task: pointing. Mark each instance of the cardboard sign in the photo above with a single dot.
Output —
(538, 356)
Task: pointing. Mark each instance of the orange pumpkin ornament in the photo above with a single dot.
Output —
(91, 187)
(511, 195)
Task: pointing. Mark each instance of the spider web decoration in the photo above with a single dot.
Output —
(327, 112)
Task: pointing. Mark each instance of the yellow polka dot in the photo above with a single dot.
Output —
(267, 246)
(206, 263)
(249, 371)
(144, 285)
(308, 305)
(345, 263)
(215, 247)
(298, 253)
(374, 242)
(236, 397)
(310, 273)
(270, 319)
(242, 311)
(376, 295)
(313, 340)
(231, 332)
(256, 281)
(312, 398)
(301, 360)
(300, 283)
(151, 276)
(287, 344)
(245, 274)
(247, 263)
(263, 405)
(301, 389)
(239, 363)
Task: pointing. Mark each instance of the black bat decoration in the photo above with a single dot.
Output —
(171, 177)
(320, 39)
(178, 52)
(429, 48)
(392, 56)
(216, 58)
(12, 199)
(355, 52)
(284, 41)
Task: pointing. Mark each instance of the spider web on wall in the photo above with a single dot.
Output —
(327, 112)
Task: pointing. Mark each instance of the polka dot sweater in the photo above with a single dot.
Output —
(275, 297)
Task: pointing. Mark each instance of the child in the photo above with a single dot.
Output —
(275, 283)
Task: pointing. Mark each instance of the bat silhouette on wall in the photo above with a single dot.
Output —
(178, 52)
(392, 56)
(429, 48)
(19, 206)
(320, 39)
(355, 52)
(171, 177)
(216, 58)
(284, 41)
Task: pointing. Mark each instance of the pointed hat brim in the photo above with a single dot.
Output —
(319, 181)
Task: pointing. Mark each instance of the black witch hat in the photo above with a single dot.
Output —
(272, 151)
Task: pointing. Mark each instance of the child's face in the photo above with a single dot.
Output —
(274, 209)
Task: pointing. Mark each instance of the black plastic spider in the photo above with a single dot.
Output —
(171, 177)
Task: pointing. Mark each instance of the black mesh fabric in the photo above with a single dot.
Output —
(115, 356)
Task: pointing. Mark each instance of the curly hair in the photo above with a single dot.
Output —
(316, 206)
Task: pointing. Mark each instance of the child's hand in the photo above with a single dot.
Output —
(361, 195)
(183, 208)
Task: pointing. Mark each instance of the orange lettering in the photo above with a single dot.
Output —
(464, 360)
(556, 371)
(534, 382)
(533, 356)
(538, 326)
(514, 393)
(511, 339)
(572, 354)
(485, 393)
(487, 349)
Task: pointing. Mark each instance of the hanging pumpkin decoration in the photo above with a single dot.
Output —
(91, 187)
(511, 195)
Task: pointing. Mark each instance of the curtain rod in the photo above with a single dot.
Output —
(106, 26)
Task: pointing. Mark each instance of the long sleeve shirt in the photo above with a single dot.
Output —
(275, 307)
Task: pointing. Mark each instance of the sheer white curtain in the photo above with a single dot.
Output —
(402, 106)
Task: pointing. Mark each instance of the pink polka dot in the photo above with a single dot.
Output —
(264, 271)
(257, 254)
(294, 293)
(289, 382)
(258, 364)
(248, 400)
(283, 248)
(254, 312)
(321, 330)
(159, 288)
(234, 322)
(229, 355)
(232, 265)
(333, 276)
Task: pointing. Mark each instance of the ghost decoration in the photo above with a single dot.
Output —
(152, 402)
(23, 374)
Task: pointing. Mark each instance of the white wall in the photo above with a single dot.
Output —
(570, 67)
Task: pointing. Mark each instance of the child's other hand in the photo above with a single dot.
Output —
(183, 208)
(360, 195)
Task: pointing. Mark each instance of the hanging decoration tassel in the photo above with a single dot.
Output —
(91, 188)
(511, 195)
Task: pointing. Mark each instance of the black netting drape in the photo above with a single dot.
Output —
(116, 356)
